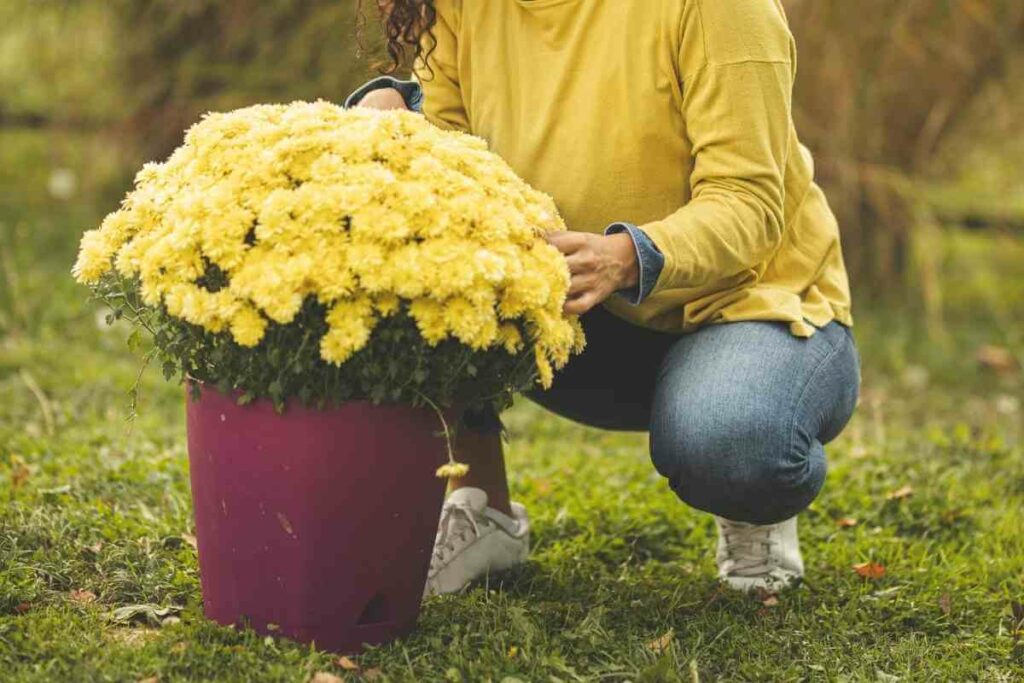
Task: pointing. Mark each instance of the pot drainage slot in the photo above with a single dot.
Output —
(375, 612)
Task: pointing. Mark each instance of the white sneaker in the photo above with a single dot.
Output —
(474, 540)
(753, 556)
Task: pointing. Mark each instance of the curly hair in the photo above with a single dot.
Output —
(405, 23)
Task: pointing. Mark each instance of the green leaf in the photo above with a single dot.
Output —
(135, 340)
(396, 366)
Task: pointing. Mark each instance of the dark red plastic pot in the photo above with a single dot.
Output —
(314, 524)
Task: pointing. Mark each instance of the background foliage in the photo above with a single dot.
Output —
(882, 88)
(885, 89)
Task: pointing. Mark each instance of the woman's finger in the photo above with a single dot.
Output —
(566, 241)
(580, 284)
(580, 262)
(580, 304)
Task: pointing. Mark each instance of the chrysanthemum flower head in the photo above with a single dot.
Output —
(365, 213)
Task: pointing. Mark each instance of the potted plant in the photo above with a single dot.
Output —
(333, 286)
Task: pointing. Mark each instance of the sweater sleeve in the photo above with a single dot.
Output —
(439, 75)
(737, 66)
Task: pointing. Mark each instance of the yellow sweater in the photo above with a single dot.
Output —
(675, 115)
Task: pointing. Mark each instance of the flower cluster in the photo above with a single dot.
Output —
(364, 214)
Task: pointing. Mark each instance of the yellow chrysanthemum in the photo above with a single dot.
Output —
(94, 255)
(367, 213)
(429, 317)
(545, 374)
(452, 470)
(248, 326)
(349, 326)
(475, 326)
(510, 337)
(387, 304)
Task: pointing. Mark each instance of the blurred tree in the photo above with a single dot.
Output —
(881, 85)
(185, 57)
(58, 63)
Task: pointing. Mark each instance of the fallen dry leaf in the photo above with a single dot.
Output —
(945, 603)
(901, 493)
(846, 522)
(191, 540)
(661, 643)
(324, 677)
(22, 607)
(869, 570)
(95, 548)
(346, 664)
(766, 597)
(998, 359)
(20, 472)
(82, 597)
(372, 674)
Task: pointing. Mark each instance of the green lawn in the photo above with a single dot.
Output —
(95, 515)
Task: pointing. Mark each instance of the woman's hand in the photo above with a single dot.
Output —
(383, 98)
(600, 265)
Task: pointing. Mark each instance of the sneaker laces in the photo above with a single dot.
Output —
(457, 520)
(748, 547)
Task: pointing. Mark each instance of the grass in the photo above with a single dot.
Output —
(95, 517)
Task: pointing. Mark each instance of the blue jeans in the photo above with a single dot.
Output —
(738, 413)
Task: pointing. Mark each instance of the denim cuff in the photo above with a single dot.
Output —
(411, 92)
(649, 260)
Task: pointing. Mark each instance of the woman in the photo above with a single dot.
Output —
(705, 261)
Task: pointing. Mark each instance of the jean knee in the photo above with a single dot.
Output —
(740, 469)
